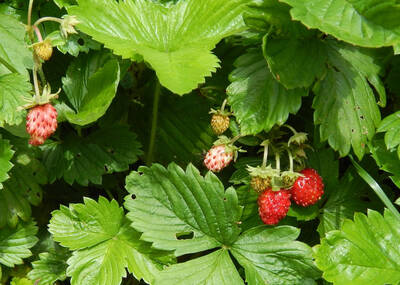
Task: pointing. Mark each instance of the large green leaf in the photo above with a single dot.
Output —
(182, 210)
(86, 159)
(90, 85)
(272, 256)
(176, 39)
(104, 243)
(370, 23)
(257, 99)
(16, 242)
(296, 62)
(23, 188)
(214, 268)
(345, 105)
(366, 251)
(6, 153)
(13, 89)
(14, 53)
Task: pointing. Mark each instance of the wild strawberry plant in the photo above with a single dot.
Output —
(199, 142)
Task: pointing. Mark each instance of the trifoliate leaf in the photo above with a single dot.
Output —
(105, 244)
(387, 160)
(295, 62)
(16, 242)
(364, 251)
(6, 153)
(90, 85)
(182, 210)
(50, 267)
(368, 23)
(14, 53)
(272, 256)
(214, 268)
(391, 125)
(23, 188)
(179, 51)
(13, 89)
(345, 95)
(257, 99)
(86, 159)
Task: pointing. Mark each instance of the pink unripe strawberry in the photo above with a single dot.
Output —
(41, 123)
(218, 157)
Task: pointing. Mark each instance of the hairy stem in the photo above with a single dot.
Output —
(264, 163)
(223, 105)
(38, 34)
(36, 84)
(44, 19)
(150, 151)
(30, 13)
(290, 160)
(277, 161)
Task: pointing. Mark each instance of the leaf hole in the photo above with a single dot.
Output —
(184, 235)
(133, 196)
(225, 199)
(81, 42)
(352, 130)
(106, 168)
(362, 117)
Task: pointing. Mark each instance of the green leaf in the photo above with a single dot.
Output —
(23, 188)
(345, 104)
(6, 153)
(90, 85)
(105, 244)
(371, 23)
(21, 281)
(14, 53)
(50, 267)
(391, 125)
(214, 268)
(387, 160)
(183, 128)
(272, 256)
(179, 51)
(365, 251)
(16, 242)
(346, 197)
(181, 210)
(13, 89)
(295, 62)
(86, 159)
(257, 99)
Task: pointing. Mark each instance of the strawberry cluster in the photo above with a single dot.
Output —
(41, 123)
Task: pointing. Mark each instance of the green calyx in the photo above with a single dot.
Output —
(220, 112)
(288, 178)
(229, 145)
(42, 99)
(263, 171)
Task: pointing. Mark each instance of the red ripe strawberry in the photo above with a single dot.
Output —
(273, 205)
(217, 158)
(41, 123)
(307, 189)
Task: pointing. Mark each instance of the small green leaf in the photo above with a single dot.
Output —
(272, 256)
(179, 51)
(105, 244)
(86, 159)
(14, 52)
(6, 153)
(257, 99)
(16, 242)
(91, 85)
(345, 95)
(181, 210)
(21, 281)
(391, 125)
(13, 89)
(369, 23)
(212, 269)
(365, 251)
(50, 267)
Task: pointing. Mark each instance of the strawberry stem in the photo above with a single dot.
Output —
(291, 128)
(223, 105)
(38, 34)
(30, 13)
(235, 138)
(36, 84)
(44, 19)
(264, 163)
(290, 160)
(150, 151)
(277, 161)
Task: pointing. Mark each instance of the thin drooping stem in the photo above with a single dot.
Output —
(291, 128)
(44, 19)
(36, 84)
(38, 34)
(223, 105)
(290, 160)
(277, 161)
(235, 138)
(30, 13)
(150, 151)
(264, 163)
